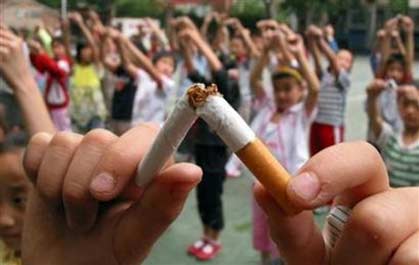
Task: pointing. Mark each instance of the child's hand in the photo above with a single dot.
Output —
(86, 209)
(314, 31)
(65, 24)
(34, 46)
(382, 229)
(296, 44)
(407, 24)
(189, 35)
(185, 23)
(113, 33)
(235, 23)
(395, 34)
(14, 67)
(391, 24)
(375, 88)
(75, 17)
(381, 34)
(329, 31)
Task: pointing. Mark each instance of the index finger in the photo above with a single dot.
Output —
(119, 162)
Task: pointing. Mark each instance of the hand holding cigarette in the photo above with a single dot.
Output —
(209, 105)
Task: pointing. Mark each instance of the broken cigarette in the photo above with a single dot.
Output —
(167, 141)
(209, 105)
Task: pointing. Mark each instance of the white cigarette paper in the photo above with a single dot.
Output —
(167, 141)
(226, 122)
(209, 105)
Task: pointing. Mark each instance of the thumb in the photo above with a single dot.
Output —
(143, 223)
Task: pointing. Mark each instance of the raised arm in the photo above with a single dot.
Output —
(297, 48)
(408, 26)
(280, 43)
(109, 64)
(78, 20)
(15, 70)
(204, 48)
(158, 32)
(205, 25)
(395, 35)
(184, 44)
(141, 59)
(313, 33)
(386, 45)
(245, 34)
(330, 55)
(373, 91)
(122, 50)
(256, 75)
(65, 27)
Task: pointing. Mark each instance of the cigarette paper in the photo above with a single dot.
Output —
(240, 138)
(209, 105)
(167, 141)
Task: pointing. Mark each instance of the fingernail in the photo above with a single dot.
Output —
(103, 183)
(305, 186)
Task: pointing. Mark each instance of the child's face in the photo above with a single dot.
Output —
(58, 49)
(86, 55)
(258, 40)
(237, 47)
(344, 60)
(409, 107)
(395, 71)
(14, 189)
(166, 65)
(287, 92)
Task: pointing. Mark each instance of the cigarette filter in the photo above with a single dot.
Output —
(240, 138)
(208, 104)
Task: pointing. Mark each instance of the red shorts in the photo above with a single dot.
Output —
(323, 136)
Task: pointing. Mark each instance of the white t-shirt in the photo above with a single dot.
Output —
(287, 140)
(387, 102)
(332, 98)
(150, 103)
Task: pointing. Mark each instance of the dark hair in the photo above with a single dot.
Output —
(395, 58)
(163, 54)
(79, 47)
(13, 142)
(59, 40)
(286, 72)
(279, 75)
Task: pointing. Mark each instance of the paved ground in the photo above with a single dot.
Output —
(170, 250)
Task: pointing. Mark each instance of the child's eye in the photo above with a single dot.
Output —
(19, 201)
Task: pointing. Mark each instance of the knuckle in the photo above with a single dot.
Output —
(370, 221)
(64, 143)
(75, 193)
(116, 156)
(37, 143)
(99, 137)
(65, 139)
(48, 189)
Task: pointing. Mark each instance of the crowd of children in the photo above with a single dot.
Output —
(273, 77)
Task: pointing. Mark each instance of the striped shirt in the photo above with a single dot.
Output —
(332, 98)
(402, 161)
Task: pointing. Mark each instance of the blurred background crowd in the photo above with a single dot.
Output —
(290, 68)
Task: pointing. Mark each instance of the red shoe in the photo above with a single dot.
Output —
(209, 251)
(196, 247)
